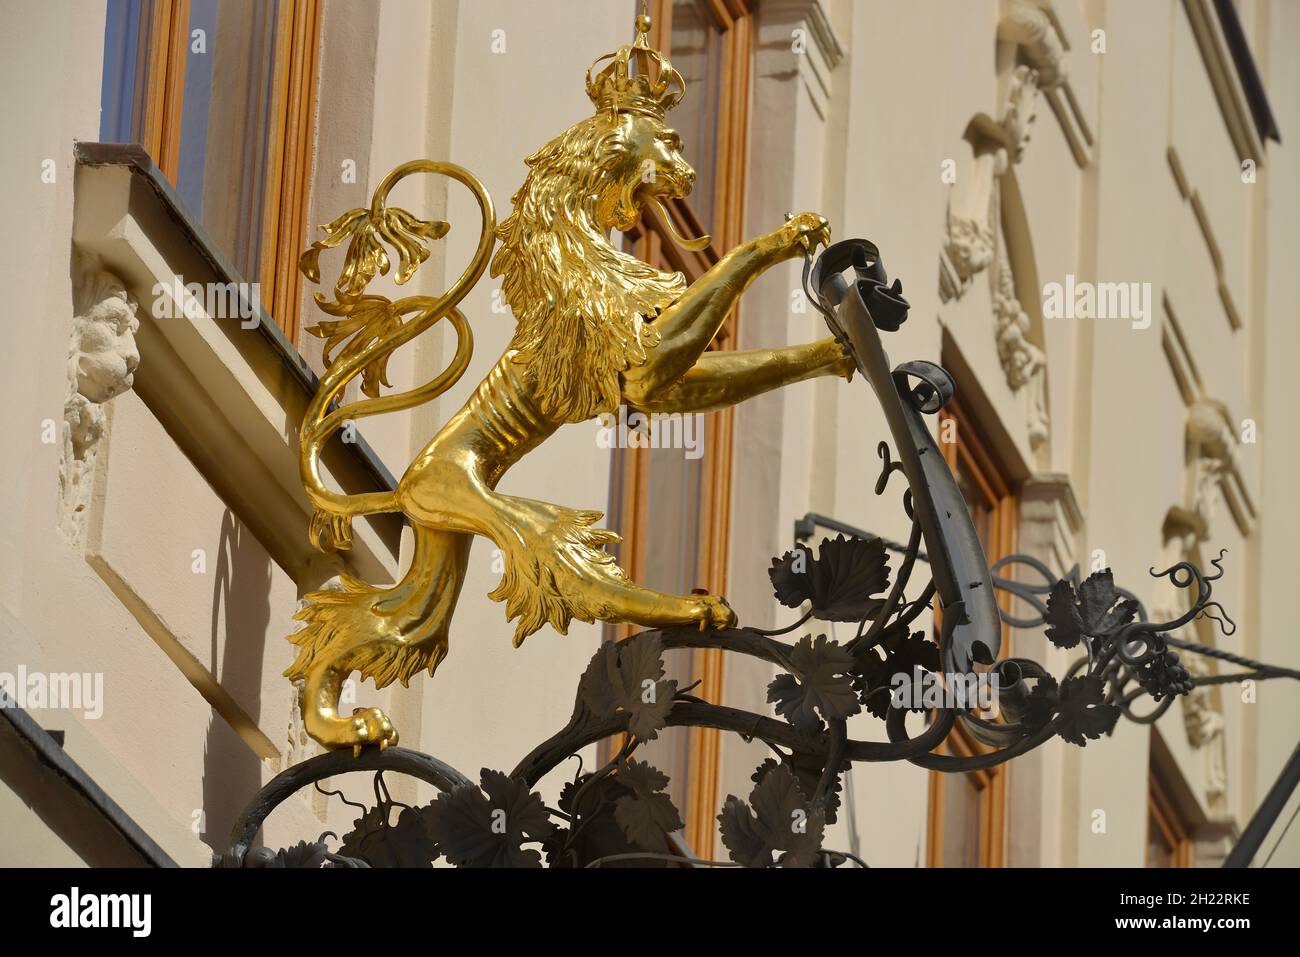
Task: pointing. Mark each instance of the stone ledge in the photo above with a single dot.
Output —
(230, 397)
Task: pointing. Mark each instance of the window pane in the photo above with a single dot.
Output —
(226, 123)
(124, 62)
(226, 109)
(980, 512)
(1160, 853)
(673, 521)
(696, 52)
(196, 106)
(962, 810)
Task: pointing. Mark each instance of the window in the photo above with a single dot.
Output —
(1169, 842)
(968, 811)
(221, 93)
(673, 511)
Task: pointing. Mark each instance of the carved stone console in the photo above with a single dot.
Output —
(102, 359)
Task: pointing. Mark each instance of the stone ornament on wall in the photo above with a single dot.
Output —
(977, 240)
(1032, 35)
(1211, 450)
(974, 207)
(102, 359)
(1023, 362)
(1030, 28)
(986, 230)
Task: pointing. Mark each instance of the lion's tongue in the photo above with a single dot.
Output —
(692, 244)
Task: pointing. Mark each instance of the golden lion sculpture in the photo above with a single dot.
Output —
(596, 328)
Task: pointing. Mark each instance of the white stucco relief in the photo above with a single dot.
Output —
(102, 359)
(1211, 449)
(987, 232)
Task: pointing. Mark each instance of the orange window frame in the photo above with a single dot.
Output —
(291, 122)
(970, 454)
(1172, 827)
(990, 784)
(630, 480)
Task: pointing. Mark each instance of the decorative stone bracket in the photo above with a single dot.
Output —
(102, 359)
(986, 226)
(1210, 456)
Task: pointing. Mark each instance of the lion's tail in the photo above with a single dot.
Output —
(373, 328)
(333, 512)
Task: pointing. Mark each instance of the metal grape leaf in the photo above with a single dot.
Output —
(406, 843)
(477, 830)
(628, 676)
(779, 823)
(807, 770)
(1041, 704)
(582, 797)
(821, 682)
(873, 678)
(1098, 609)
(302, 854)
(557, 851)
(647, 815)
(839, 582)
(594, 832)
(1085, 715)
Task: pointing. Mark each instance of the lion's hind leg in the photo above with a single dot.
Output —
(557, 569)
(388, 634)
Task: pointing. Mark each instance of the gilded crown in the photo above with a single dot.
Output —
(637, 79)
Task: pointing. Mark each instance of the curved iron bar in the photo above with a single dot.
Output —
(855, 313)
(901, 578)
(401, 760)
(1266, 670)
(955, 765)
(1030, 592)
(835, 756)
(585, 729)
(1025, 591)
(777, 632)
(1148, 633)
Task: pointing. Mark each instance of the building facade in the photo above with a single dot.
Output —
(1089, 207)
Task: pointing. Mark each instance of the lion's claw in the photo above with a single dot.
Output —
(807, 231)
(371, 726)
(715, 613)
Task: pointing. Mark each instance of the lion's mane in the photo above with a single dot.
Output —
(580, 304)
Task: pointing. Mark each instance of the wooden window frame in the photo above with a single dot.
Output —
(630, 479)
(291, 121)
(992, 785)
(167, 24)
(1173, 826)
(970, 448)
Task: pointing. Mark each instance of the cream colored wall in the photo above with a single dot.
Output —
(1275, 288)
(1117, 415)
(861, 140)
(59, 616)
(128, 598)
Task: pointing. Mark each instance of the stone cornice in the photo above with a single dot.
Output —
(820, 30)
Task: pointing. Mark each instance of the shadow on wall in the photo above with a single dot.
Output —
(241, 607)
